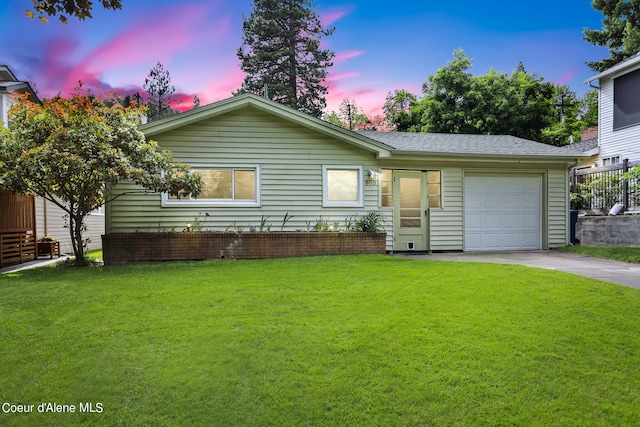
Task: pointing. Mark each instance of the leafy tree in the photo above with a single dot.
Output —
(281, 54)
(589, 110)
(81, 9)
(620, 31)
(333, 118)
(160, 93)
(455, 101)
(519, 104)
(72, 151)
(349, 116)
(401, 112)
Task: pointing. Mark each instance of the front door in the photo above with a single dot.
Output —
(410, 219)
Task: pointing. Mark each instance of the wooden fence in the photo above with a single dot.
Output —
(601, 188)
(17, 228)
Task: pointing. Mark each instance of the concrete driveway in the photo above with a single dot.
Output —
(621, 273)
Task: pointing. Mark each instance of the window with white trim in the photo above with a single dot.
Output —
(223, 186)
(342, 186)
(611, 161)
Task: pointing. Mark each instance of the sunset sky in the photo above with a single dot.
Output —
(380, 45)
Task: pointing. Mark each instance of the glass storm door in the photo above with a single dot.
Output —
(410, 219)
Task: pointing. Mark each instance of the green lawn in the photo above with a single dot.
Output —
(618, 253)
(360, 340)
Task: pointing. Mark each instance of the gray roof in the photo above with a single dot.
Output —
(583, 146)
(489, 145)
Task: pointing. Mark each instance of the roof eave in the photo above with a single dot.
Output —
(494, 156)
(622, 66)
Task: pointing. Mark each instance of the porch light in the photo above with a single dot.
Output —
(373, 175)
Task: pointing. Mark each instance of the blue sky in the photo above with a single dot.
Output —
(380, 46)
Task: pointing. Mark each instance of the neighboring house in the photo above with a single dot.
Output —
(261, 161)
(618, 112)
(50, 219)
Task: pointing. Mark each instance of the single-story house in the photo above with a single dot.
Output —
(262, 161)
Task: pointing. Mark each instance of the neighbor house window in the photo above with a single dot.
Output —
(626, 100)
(611, 161)
(342, 186)
(224, 186)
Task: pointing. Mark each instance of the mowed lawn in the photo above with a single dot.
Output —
(348, 341)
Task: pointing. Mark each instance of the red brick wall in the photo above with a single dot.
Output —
(123, 248)
(590, 133)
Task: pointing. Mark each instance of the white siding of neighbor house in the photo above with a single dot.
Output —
(290, 158)
(50, 221)
(623, 142)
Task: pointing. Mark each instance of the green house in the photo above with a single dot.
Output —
(262, 161)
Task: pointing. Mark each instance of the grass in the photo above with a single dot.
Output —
(358, 340)
(618, 253)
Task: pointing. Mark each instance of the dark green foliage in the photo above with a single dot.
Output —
(519, 104)
(281, 53)
(81, 9)
(400, 111)
(455, 101)
(620, 31)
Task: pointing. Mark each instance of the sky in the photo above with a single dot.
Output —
(380, 46)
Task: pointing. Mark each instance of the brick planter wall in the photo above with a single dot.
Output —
(124, 248)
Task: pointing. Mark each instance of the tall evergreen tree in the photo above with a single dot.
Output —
(160, 93)
(620, 31)
(281, 54)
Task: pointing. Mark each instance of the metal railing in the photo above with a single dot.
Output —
(601, 188)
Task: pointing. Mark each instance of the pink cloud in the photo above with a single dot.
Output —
(221, 87)
(151, 38)
(343, 56)
(332, 77)
(566, 77)
(332, 15)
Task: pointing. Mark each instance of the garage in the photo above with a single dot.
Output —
(502, 212)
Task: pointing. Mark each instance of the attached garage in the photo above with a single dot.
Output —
(502, 211)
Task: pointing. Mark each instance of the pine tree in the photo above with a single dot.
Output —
(281, 54)
(196, 102)
(620, 31)
(160, 90)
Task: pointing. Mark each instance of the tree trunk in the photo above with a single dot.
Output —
(76, 227)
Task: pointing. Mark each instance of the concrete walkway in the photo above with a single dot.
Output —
(42, 261)
(621, 273)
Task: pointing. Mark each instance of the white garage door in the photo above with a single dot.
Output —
(502, 212)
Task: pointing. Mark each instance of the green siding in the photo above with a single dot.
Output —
(290, 158)
(558, 207)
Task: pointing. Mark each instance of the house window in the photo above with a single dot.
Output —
(626, 100)
(611, 161)
(224, 186)
(434, 189)
(386, 188)
(342, 186)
